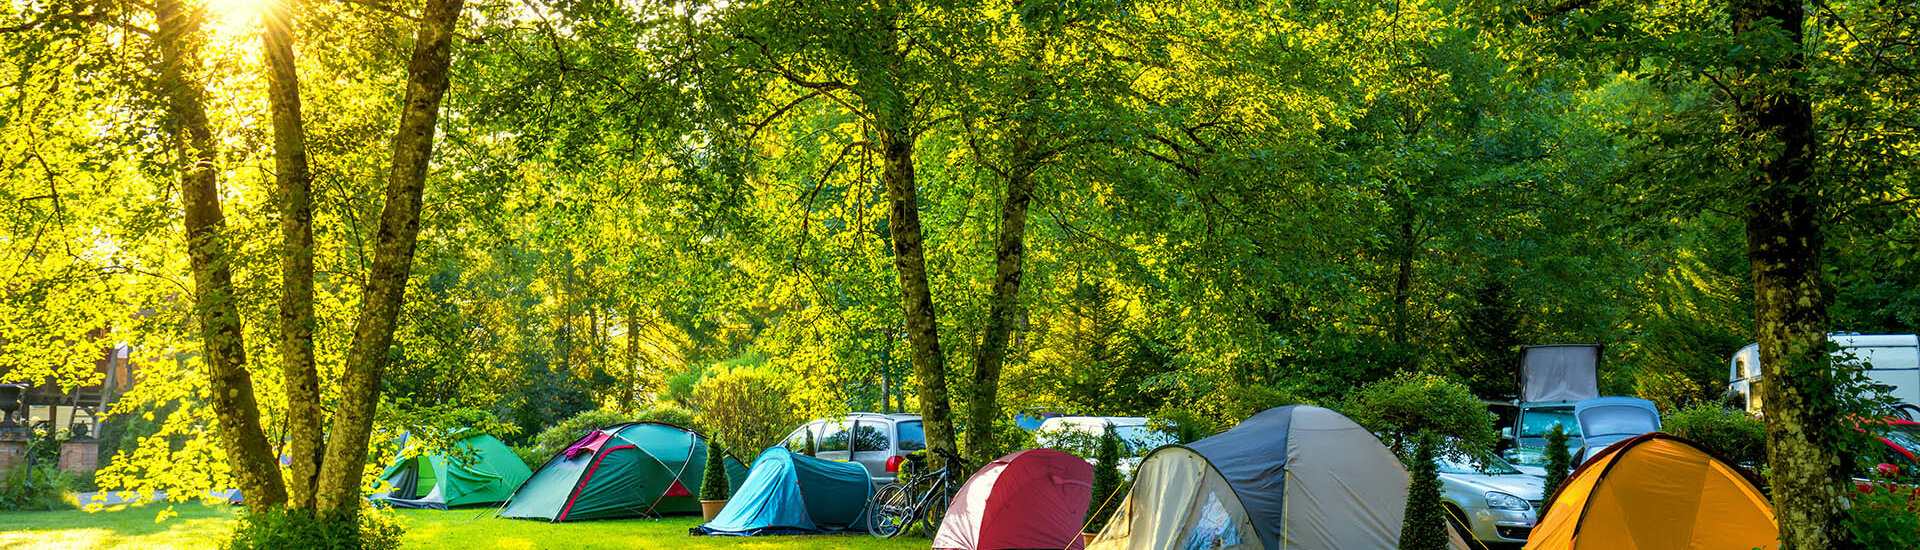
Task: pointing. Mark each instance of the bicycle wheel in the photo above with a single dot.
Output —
(890, 513)
(935, 511)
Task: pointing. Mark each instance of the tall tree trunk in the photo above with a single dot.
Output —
(1009, 268)
(1404, 252)
(892, 113)
(427, 76)
(630, 398)
(223, 349)
(1784, 242)
(296, 264)
(916, 296)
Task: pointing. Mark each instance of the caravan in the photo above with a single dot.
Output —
(1893, 360)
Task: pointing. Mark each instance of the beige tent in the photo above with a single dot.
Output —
(1289, 478)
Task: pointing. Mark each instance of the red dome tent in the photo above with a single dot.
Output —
(1029, 499)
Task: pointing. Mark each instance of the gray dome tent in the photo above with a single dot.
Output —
(1296, 477)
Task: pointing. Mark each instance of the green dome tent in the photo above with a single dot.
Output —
(793, 494)
(625, 470)
(481, 471)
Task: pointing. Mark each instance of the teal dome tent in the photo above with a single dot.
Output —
(791, 494)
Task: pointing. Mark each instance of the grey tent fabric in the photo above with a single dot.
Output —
(1289, 478)
(1253, 458)
(1568, 372)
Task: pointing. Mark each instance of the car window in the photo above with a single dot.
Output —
(1536, 423)
(870, 436)
(1621, 420)
(797, 442)
(1141, 439)
(833, 436)
(912, 436)
(1487, 464)
(1906, 436)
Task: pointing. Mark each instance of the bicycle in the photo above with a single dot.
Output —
(897, 508)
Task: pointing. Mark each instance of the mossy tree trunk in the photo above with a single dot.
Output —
(386, 285)
(295, 183)
(255, 470)
(1784, 243)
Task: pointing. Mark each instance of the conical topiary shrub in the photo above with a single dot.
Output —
(1426, 518)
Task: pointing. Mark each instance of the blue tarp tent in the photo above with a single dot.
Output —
(788, 494)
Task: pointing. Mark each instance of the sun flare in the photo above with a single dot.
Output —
(234, 17)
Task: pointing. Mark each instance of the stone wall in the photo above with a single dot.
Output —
(80, 456)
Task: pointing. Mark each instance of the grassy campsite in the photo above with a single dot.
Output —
(960, 274)
(193, 525)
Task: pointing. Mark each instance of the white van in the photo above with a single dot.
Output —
(1894, 360)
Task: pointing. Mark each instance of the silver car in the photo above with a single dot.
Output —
(1490, 500)
(880, 442)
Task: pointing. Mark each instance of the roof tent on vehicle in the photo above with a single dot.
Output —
(793, 494)
(1564, 372)
(1294, 477)
(1030, 499)
(1656, 491)
(480, 470)
(624, 470)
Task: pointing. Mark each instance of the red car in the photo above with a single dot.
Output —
(1899, 461)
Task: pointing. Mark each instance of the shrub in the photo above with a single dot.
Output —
(1558, 464)
(552, 440)
(748, 405)
(1400, 407)
(1425, 526)
(714, 483)
(1736, 435)
(41, 487)
(276, 528)
(561, 435)
(533, 456)
(667, 413)
(1885, 516)
(1108, 489)
(1183, 425)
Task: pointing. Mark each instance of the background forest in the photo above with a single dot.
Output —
(1122, 208)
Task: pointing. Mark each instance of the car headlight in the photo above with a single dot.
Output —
(1501, 501)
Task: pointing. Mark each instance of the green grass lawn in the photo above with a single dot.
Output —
(199, 526)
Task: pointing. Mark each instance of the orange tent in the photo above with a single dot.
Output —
(1656, 492)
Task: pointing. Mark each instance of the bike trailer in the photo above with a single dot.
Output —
(1030, 499)
(794, 494)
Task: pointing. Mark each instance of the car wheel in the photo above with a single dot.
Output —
(1458, 520)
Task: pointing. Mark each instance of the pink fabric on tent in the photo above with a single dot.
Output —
(588, 445)
(1029, 499)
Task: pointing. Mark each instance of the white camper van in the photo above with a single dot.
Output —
(1894, 360)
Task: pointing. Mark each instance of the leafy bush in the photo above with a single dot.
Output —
(713, 483)
(1228, 405)
(552, 440)
(1558, 463)
(667, 413)
(749, 405)
(42, 487)
(533, 456)
(1397, 408)
(1886, 516)
(1108, 489)
(1007, 438)
(1183, 425)
(1736, 435)
(277, 528)
(1425, 523)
